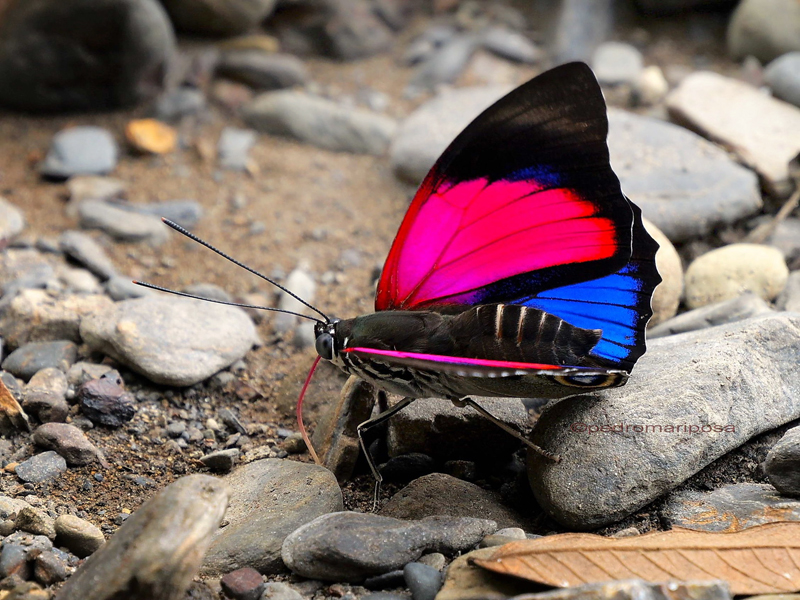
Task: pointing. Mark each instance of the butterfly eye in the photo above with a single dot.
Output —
(324, 345)
(592, 381)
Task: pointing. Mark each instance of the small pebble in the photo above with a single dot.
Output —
(275, 590)
(243, 584)
(80, 537)
(782, 465)
(221, 461)
(84, 150)
(41, 467)
(69, 441)
(423, 581)
(436, 560)
(151, 136)
(27, 360)
(105, 402)
(48, 569)
(35, 521)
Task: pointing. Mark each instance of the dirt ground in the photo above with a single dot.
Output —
(314, 204)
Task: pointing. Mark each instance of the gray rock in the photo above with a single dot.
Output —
(208, 290)
(637, 589)
(174, 105)
(427, 131)
(351, 546)
(763, 132)
(616, 62)
(732, 270)
(423, 581)
(790, 297)
(764, 29)
(79, 281)
(320, 122)
(84, 150)
(26, 360)
(686, 382)
(233, 148)
(444, 65)
(81, 372)
(737, 309)
(786, 238)
(77, 535)
(221, 461)
(424, 45)
(301, 283)
(12, 221)
(35, 521)
(93, 187)
(157, 551)
(511, 45)
(69, 441)
(186, 213)
(14, 561)
(45, 395)
(783, 77)
(782, 465)
(120, 287)
(262, 70)
(170, 341)
(735, 507)
(440, 494)
(686, 186)
(41, 467)
(580, 27)
(36, 316)
(89, 253)
(45, 64)
(439, 429)
(121, 224)
(270, 499)
(218, 17)
(275, 590)
(49, 568)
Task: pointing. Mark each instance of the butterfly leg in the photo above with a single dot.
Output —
(377, 420)
(467, 401)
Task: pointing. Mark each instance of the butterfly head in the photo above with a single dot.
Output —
(326, 343)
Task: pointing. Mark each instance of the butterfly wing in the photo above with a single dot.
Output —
(523, 202)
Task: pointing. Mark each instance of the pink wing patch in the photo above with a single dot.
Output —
(459, 360)
(460, 237)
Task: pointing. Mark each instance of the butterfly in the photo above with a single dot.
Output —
(520, 268)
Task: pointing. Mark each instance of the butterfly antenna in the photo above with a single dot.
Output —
(193, 237)
(299, 410)
(185, 295)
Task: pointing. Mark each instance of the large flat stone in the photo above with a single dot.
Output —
(763, 132)
(624, 447)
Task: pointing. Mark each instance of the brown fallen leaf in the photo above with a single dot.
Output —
(12, 411)
(758, 560)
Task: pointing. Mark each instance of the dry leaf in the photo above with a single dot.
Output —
(12, 410)
(758, 560)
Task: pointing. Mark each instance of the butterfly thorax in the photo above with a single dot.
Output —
(500, 332)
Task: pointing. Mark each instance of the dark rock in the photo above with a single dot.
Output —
(218, 17)
(336, 436)
(85, 150)
(765, 29)
(270, 499)
(406, 467)
(262, 70)
(77, 535)
(14, 561)
(83, 54)
(170, 341)
(105, 402)
(48, 569)
(83, 249)
(782, 465)
(423, 581)
(730, 508)
(45, 395)
(157, 551)
(320, 122)
(31, 358)
(41, 467)
(68, 441)
(692, 398)
(744, 307)
(676, 6)
(440, 494)
(351, 546)
(221, 461)
(243, 584)
(392, 579)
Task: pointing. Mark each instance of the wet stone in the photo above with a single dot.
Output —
(423, 581)
(31, 358)
(331, 546)
(78, 535)
(69, 441)
(730, 508)
(782, 465)
(243, 584)
(105, 402)
(83, 150)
